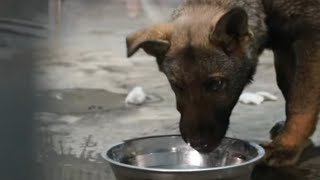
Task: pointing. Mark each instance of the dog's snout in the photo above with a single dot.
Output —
(202, 139)
(203, 134)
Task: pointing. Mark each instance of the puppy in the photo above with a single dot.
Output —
(209, 52)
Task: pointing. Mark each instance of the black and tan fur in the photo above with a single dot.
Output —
(209, 52)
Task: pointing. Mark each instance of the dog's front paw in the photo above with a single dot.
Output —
(280, 156)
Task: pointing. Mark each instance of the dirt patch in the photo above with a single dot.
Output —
(78, 101)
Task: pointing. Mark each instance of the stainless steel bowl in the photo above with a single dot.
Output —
(170, 158)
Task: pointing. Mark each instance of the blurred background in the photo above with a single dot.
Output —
(64, 80)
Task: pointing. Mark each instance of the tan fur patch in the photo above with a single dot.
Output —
(194, 28)
(162, 31)
(298, 129)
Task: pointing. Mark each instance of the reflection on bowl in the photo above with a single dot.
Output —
(169, 157)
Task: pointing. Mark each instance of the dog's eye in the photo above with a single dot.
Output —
(214, 84)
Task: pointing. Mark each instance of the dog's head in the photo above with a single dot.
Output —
(207, 63)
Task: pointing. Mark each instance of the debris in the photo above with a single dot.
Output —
(267, 96)
(251, 98)
(136, 96)
(59, 96)
(256, 98)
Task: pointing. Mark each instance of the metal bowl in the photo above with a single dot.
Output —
(170, 158)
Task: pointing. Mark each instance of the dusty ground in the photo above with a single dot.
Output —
(83, 77)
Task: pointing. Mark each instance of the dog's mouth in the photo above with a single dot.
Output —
(203, 146)
(202, 141)
(203, 136)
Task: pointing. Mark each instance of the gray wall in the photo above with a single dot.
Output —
(34, 10)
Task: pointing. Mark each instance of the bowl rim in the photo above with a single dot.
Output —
(104, 154)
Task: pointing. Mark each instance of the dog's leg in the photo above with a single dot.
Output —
(284, 66)
(301, 90)
(284, 61)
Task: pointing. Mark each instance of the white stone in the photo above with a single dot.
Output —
(267, 96)
(251, 98)
(136, 96)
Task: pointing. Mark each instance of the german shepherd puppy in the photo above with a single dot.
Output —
(209, 53)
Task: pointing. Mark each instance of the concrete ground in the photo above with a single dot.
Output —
(82, 80)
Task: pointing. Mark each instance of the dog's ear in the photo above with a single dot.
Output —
(232, 30)
(154, 40)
